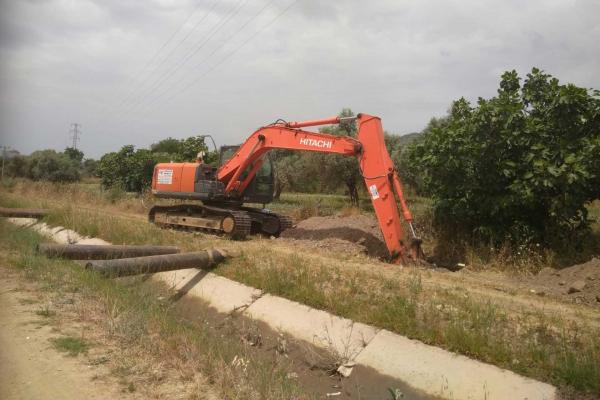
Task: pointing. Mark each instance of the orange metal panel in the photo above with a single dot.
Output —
(377, 170)
(167, 177)
(188, 176)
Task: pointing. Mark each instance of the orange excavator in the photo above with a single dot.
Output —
(245, 175)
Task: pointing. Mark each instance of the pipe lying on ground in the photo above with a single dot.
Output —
(23, 212)
(162, 263)
(101, 252)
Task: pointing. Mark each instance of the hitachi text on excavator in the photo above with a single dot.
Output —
(245, 175)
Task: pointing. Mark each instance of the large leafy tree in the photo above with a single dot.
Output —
(132, 169)
(520, 166)
(317, 172)
(48, 165)
(337, 169)
(128, 168)
(74, 154)
(182, 149)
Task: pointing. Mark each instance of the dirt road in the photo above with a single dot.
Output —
(30, 368)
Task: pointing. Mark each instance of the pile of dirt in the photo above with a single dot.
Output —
(351, 234)
(580, 283)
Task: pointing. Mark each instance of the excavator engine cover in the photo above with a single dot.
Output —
(191, 181)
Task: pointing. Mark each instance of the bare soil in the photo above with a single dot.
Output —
(353, 234)
(360, 235)
(30, 368)
(578, 283)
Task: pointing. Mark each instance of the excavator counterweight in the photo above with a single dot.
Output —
(224, 190)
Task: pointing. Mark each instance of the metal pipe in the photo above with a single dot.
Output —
(101, 252)
(213, 141)
(315, 122)
(23, 212)
(152, 264)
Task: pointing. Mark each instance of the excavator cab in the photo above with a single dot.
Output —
(261, 188)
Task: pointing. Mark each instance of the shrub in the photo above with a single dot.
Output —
(128, 169)
(51, 166)
(520, 166)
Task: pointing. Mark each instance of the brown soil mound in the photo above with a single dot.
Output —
(355, 233)
(580, 283)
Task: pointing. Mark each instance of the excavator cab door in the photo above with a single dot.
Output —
(261, 188)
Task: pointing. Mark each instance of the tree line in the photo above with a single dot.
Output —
(50, 165)
(520, 167)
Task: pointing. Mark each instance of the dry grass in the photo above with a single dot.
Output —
(140, 336)
(446, 252)
(527, 341)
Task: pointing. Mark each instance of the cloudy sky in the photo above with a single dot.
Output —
(133, 72)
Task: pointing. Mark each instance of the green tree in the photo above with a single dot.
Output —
(74, 154)
(191, 146)
(90, 166)
(128, 168)
(169, 145)
(17, 166)
(520, 166)
(182, 149)
(52, 166)
(296, 171)
(337, 169)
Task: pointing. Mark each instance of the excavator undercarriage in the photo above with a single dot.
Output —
(236, 223)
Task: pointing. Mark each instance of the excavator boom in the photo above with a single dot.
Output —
(376, 167)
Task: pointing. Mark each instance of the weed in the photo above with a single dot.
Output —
(73, 346)
(45, 311)
(115, 194)
(395, 394)
(8, 183)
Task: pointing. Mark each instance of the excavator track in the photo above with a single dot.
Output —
(233, 223)
(267, 222)
(236, 223)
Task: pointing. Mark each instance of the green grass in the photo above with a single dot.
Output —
(146, 328)
(453, 320)
(71, 345)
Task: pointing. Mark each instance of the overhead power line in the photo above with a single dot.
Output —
(165, 44)
(230, 54)
(132, 95)
(220, 46)
(141, 71)
(186, 87)
(167, 74)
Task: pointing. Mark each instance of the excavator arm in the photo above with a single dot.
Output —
(376, 167)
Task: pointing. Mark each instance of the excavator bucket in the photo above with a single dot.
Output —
(412, 254)
(416, 252)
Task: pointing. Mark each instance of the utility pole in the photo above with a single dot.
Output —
(4, 148)
(75, 133)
